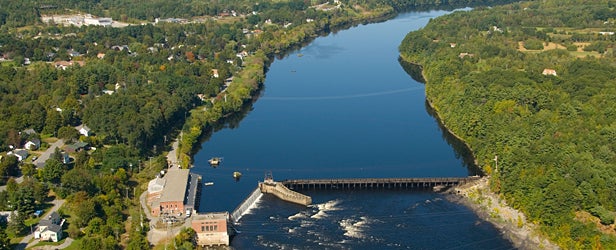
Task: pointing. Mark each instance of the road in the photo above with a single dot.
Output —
(24, 242)
(172, 156)
(40, 161)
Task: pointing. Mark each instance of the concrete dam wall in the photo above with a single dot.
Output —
(283, 193)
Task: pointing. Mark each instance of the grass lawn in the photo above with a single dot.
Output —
(76, 245)
(16, 240)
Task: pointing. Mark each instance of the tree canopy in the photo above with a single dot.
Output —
(528, 83)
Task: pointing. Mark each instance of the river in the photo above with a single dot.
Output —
(343, 107)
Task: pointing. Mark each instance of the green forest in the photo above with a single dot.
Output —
(530, 87)
(137, 87)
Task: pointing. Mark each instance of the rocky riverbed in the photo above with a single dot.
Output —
(511, 222)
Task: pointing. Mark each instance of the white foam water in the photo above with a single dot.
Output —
(354, 228)
(323, 208)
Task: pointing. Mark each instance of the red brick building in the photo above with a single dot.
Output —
(211, 229)
(173, 195)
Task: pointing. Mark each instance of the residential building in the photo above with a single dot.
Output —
(75, 147)
(549, 72)
(33, 144)
(83, 129)
(21, 154)
(50, 228)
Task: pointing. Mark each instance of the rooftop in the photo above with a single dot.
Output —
(175, 187)
(193, 189)
(156, 185)
(212, 216)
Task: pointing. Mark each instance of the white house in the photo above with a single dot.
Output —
(50, 228)
(21, 154)
(83, 129)
(33, 144)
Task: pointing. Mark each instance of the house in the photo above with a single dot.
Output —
(29, 131)
(464, 54)
(211, 228)
(21, 154)
(242, 54)
(215, 73)
(549, 72)
(100, 55)
(66, 64)
(83, 129)
(50, 228)
(76, 147)
(73, 53)
(120, 48)
(33, 144)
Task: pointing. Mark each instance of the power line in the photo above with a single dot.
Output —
(337, 97)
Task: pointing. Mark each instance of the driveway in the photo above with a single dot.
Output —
(40, 161)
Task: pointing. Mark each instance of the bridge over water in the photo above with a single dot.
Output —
(376, 183)
(284, 190)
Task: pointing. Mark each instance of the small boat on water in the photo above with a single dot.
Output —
(237, 175)
(215, 161)
(209, 183)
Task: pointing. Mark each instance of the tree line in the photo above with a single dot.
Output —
(552, 131)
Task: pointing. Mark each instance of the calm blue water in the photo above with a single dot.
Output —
(343, 107)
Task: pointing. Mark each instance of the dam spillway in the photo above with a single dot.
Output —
(376, 183)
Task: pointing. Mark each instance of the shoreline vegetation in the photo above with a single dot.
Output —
(532, 100)
(489, 206)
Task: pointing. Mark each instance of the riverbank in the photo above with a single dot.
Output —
(490, 207)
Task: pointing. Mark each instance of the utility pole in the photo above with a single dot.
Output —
(496, 160)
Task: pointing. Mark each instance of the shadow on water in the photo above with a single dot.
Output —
(460, 148)
(230, 121)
